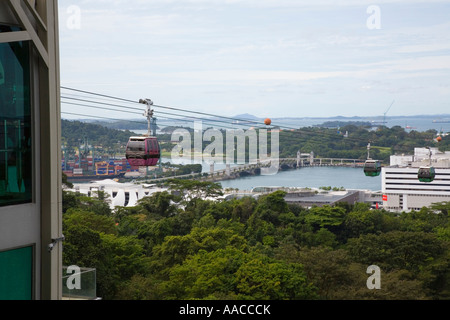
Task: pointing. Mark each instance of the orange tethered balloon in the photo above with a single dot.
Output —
(268, 122)
(439, 139)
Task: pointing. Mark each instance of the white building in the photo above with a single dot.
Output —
(120, 194)
(401, 187)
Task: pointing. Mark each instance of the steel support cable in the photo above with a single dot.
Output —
(124, 107)
(177, 109)
(296, 130)
(164, 107)
(95, 117)
(165, 113)
(191, 117)
(106, 118)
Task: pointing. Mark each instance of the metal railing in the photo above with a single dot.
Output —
(79, 283)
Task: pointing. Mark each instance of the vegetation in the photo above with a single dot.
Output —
(177, 244)
(323, 141)
(329, 143)
(74, 134)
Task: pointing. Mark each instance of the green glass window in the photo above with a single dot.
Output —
(16, 274)
(15, 124)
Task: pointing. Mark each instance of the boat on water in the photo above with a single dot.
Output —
(441, 121)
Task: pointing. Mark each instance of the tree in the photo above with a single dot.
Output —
(70, 200)
(328, 269)
(243, 209)
(325, 217)
(83, 247)
(361, 220)
(90, 220)
(126, 256)
(205, 275)
(175, 249)
(65, 182)
(190, 190)
(426, 219)
(140, 287)
(161, 204)
(396, 250)
(273, 202)
(436, 277)
(442, 207)
(98, 204)
(395, 285)
(262, 278)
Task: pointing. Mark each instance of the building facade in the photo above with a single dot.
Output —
(119, 194)
(30, 177)
(402, 190)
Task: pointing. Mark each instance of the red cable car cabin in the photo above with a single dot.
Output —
(143, 151)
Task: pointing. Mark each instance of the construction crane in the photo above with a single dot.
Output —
(384, 117)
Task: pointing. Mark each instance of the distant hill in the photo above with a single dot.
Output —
(338, 124)
(75, 132)
(246, 116)
(417, 122)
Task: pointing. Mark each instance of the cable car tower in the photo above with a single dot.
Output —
(148, 114)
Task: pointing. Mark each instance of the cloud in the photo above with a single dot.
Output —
(245, 53)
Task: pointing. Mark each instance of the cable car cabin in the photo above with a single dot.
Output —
(372, 168)
(143, 151)
(426, 174)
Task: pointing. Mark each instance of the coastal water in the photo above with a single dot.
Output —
(316, 177)
(311, 177)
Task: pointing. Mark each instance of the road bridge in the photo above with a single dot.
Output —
(236, 171)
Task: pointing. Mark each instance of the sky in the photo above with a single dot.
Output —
(268, 58)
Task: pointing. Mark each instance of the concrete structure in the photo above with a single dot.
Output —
(400, 185)
(309, 200)
(120, 194)
(309, 197)
(128, 194)
(30, 161)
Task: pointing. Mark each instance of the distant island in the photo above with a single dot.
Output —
(417, 122)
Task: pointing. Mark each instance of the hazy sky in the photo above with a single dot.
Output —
(275, 58)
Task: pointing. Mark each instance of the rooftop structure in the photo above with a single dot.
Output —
(120, 194)
(421, 157)
(402, 189)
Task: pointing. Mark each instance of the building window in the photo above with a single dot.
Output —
(15, 124)
(16, 274)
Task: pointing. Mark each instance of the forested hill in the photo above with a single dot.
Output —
(330, 143)
(175, 245)
(75, 132)
(349, 142)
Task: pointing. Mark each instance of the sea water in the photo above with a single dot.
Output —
(310, 177)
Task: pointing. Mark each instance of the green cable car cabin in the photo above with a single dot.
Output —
(426, 174)
(372, 168)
